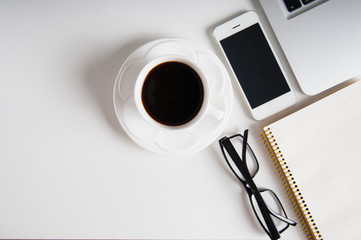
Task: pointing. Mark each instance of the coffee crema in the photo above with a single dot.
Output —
(172, 93)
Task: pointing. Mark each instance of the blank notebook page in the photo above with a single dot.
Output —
(321, 145)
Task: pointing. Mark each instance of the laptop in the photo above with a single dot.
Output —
(320, 38)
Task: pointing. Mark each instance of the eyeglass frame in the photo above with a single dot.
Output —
(250, 186)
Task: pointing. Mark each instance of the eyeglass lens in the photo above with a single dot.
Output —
(275, 208)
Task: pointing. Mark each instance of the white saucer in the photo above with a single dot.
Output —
(198, 136)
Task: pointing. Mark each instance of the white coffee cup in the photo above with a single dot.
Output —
(202, 128)
(205, 109)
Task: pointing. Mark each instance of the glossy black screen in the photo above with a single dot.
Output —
(255, 65)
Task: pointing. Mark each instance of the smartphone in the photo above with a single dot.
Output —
(254, 65)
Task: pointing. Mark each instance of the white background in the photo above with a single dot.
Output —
(68, 170)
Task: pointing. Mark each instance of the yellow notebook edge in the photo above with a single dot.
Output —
(289, 183)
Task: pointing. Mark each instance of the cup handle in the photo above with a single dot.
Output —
(215, 112)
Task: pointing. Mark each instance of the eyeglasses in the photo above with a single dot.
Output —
(271, 215)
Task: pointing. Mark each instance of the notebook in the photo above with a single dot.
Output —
(320, 38)
(317, 154)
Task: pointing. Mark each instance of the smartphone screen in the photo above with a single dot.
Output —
(255, 65)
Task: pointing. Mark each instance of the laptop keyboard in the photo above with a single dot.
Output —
(293, 5)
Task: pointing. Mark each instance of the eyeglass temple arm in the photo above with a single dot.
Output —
(274, 213)
(244, 145)
(280, 217)
(270, 224)
(274, 234)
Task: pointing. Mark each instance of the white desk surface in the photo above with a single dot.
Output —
(68, 170)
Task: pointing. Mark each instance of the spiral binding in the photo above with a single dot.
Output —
(289, 183)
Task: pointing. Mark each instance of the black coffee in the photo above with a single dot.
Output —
(172, 93)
